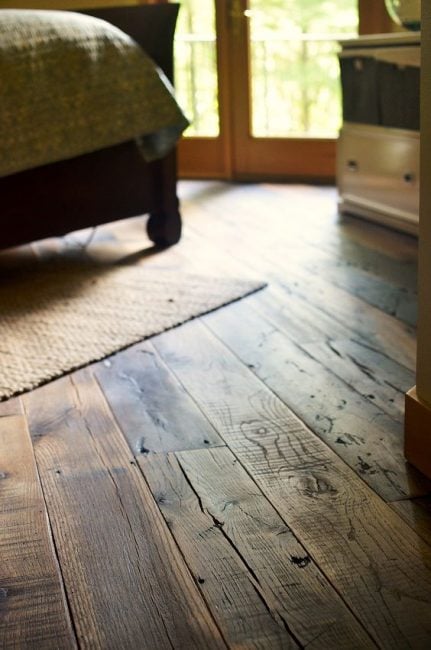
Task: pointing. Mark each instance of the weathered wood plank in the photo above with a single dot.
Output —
(303, 322)
(253, 571)
(231, 590)
(387, 334)
(289, 235)
(33, 609)
(385, 252)
(393, 299)
(152, 408)
(365, 437)
(378, 280)
(369, 372)
(310, 297)
(310, 214)
(374, 560)
(370, 261)
(127, 583)
(278, 253)
(278, 262)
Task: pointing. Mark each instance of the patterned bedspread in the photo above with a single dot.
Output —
(71, 84)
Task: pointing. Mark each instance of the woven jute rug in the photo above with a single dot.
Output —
(56, 319)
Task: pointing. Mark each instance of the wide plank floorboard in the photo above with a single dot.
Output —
(152, 408)
(238, 481)
(33, 607)
(286, 585)
(354, 537)
(363, 434)
(127, 584)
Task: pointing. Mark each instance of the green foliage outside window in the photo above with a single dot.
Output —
(196, 66)
(295, 71)
(294, 67)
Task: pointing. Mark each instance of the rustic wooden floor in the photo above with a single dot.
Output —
(238, 481)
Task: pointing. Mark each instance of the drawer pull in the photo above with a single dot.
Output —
(352, 166)
(409, 177)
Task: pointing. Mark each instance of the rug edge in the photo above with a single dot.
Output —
(255, 286)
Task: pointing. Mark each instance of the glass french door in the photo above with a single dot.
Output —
(259, 80)
(201, 81)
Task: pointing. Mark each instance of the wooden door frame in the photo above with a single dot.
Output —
(200, 157)
(229, 157)
(211, 157)
(298, 158)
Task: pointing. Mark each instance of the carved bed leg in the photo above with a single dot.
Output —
(164, 228)
(164, 224)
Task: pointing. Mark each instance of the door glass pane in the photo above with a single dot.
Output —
(295, 83)
(196, 66)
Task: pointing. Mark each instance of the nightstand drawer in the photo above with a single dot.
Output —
(378, 170)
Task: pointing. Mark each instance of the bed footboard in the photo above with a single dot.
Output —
(106, 185)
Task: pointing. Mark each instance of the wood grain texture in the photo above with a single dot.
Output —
(128, 586)
(365, 437)
(356, 539)
(363, 366)
(325, 251)
(386, 333)
(304, 219)
(231, 589)
(376, 556)
(258, 560)
(373, 375)
(152, 408)
(393, 299)
(310, 213)
(33, 609)
(303, 322)
(276, 253)
(383, 252)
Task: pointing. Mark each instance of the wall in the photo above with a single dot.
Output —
(423, 381)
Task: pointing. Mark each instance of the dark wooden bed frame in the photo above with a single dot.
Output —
(106, 185)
